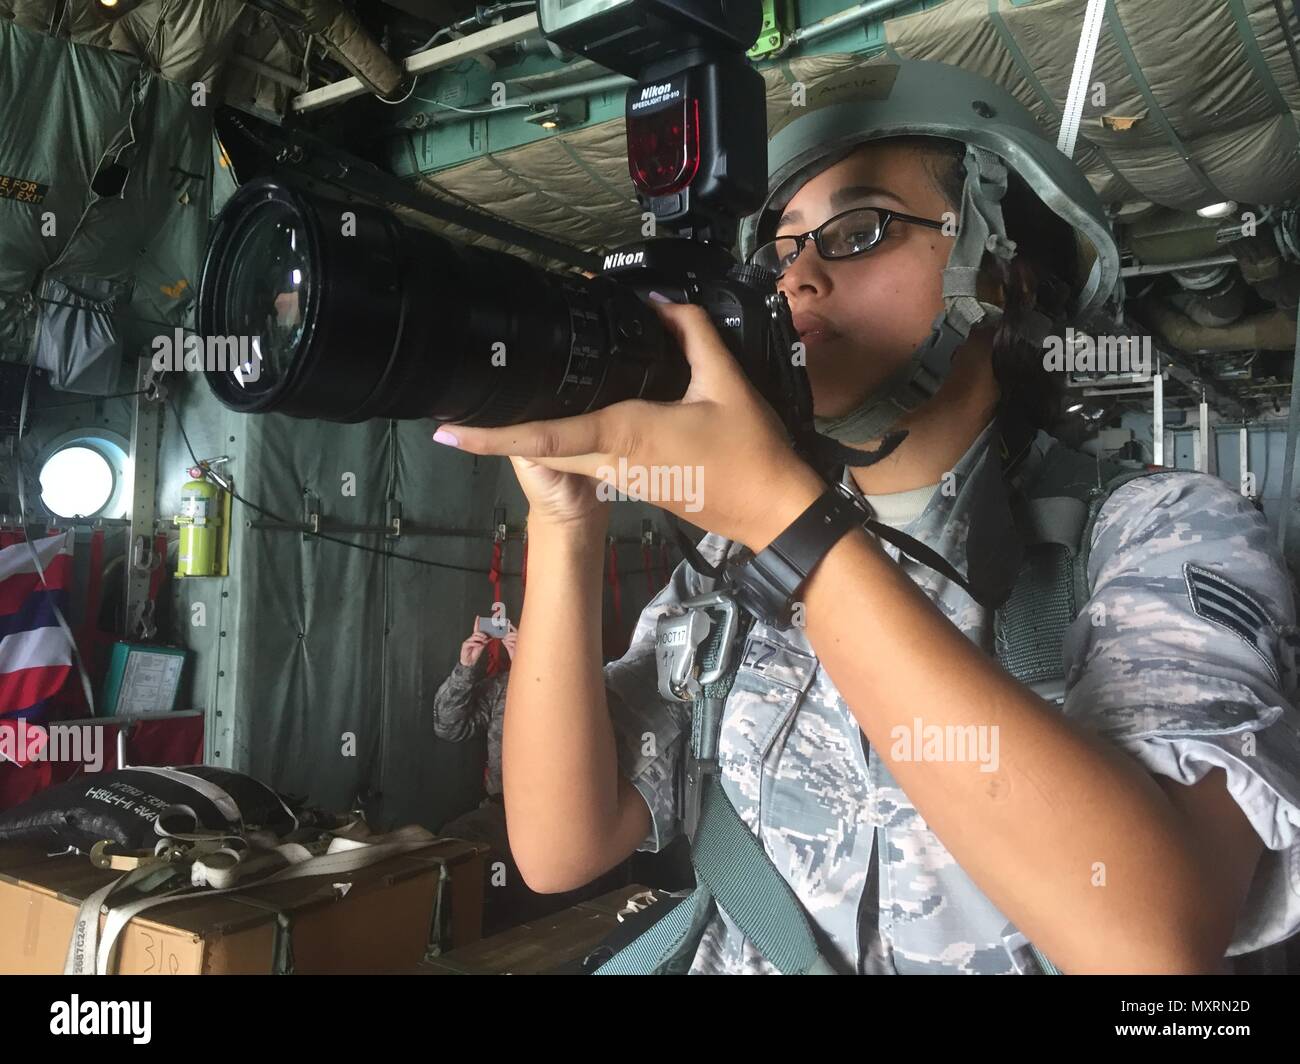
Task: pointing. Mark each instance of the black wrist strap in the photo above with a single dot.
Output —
(923, 555)
(768, 584)
(811, 535)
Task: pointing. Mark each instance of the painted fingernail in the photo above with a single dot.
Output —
(659, 297)
(443, 436)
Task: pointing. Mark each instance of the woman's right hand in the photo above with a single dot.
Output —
(473, 647)
(560, 499)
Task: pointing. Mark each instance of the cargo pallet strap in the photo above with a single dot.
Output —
(89, 954)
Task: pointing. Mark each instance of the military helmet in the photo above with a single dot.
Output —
(911, 97)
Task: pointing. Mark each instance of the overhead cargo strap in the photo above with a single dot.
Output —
(1081, 78)
(1027, 72)
(1255, 56)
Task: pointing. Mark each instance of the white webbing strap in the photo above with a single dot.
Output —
(344, 856)
(82, 946)
(1083, 60)
(226, 805)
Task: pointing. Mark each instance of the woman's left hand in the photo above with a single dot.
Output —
(719, 457)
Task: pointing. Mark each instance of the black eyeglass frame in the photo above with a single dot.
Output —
(815, 235)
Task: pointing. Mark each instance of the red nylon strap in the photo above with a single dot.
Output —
(94, 581)
(494, 577)
(93, 642)
(615, 591)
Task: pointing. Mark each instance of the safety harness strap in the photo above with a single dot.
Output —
(663, 946)
(732, 869)
(731, 861)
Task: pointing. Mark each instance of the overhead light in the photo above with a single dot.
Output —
(117, 7)
(559, 115)
(1218, 210)
(546, 117)
(1074, 409)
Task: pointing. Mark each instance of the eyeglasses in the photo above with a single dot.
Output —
(842, 237)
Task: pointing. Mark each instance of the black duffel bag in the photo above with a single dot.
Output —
(123, 807)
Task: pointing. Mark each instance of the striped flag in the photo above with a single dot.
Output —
(35, 653)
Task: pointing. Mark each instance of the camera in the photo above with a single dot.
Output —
(351, 314)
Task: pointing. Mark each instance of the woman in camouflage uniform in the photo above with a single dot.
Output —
(471, 703)
(1147, 824)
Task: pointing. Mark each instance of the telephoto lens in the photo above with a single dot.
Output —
(345, 313)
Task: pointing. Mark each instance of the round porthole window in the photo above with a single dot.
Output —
(76, 482)
(85, 475)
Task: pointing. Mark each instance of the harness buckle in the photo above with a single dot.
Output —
(677, 639)
(701, 760)
(680, 633)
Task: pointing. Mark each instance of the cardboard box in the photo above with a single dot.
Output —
(376, 919)
(538, 946)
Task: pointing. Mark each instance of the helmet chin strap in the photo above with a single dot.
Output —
(982, 230)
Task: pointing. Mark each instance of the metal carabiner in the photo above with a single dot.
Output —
(726, 602)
